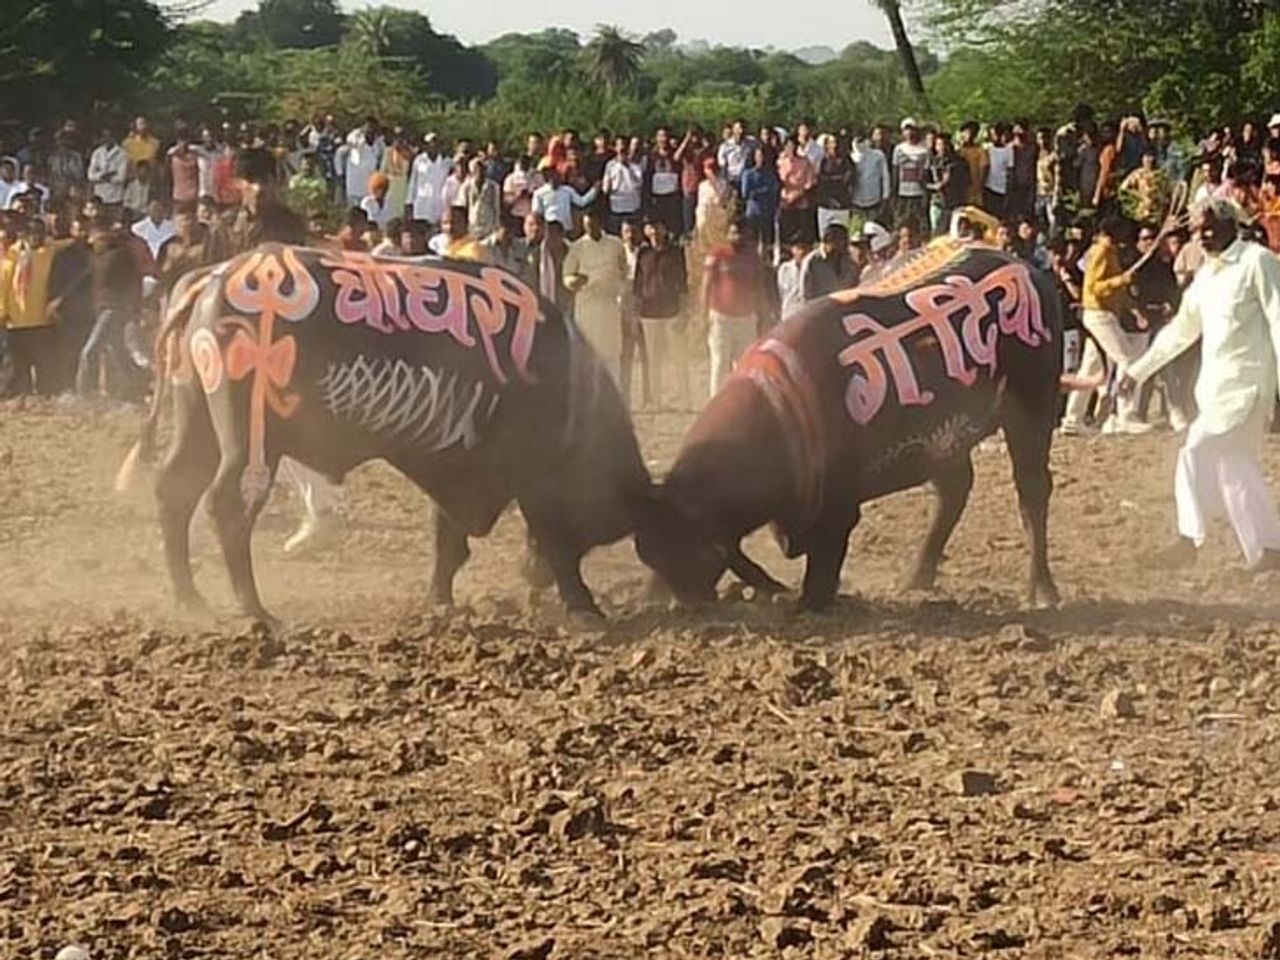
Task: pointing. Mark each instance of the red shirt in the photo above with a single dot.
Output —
(734, 279)
(184, 171)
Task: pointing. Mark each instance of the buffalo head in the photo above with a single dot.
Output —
(669, 541)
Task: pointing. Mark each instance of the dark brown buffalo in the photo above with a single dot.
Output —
(862, 394)
(458, 375)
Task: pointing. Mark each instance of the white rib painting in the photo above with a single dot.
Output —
(416, 405)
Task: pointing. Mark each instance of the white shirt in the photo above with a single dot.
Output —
(426, 186)
(1233, 308)
(362, 162)
(204, 168)
(154, 235)
(870, 176)
(909, 163)
(623, 183)
(813, 152)
(790, 290)
(19, 187)
(108, 171)
(1001, 162)
(378, 213)
(6, 190)
(555, 204)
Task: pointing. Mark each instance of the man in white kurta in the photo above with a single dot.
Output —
(427, 176)
(595, 269)
(1233, 308)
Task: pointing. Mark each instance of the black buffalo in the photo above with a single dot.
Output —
(862, 394)
(458, 375)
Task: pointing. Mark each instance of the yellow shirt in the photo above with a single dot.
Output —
(141, 148)
(24, 285)
(1106, 286)
(465, 248)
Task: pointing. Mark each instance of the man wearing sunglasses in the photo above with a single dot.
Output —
(1233, 309)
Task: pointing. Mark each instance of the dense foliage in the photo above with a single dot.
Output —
(1195, 61)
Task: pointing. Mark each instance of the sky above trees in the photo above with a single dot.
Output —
(834, 23)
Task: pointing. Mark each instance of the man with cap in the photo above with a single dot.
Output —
(425, 191)
(872, 184)
(1271, 152)
(1232, 309)
(877, 250)
(910, 164)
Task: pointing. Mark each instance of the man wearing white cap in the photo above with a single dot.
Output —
(427, 176)
(1233, 309)
(877, 245)
(1271, 151)
(910, 161)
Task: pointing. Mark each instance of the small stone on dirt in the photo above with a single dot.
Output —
(870, 933)
(1117, 705)
(972, 783)
(533, 950)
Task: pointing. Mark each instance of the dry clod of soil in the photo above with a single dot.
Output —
(1118, 705)
(972, 783)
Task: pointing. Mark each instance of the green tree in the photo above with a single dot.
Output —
(612, 59)
(73, 56)
(371, 29)
(294, 24)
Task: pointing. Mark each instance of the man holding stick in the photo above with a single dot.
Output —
(1233, 308)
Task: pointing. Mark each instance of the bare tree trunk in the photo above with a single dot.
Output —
(907, 53)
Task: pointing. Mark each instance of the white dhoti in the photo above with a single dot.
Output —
(1219, 473)
(1107, 341)
(727, 340)
(600, 321)
(668, 353)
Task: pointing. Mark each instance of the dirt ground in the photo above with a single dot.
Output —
(915, 776)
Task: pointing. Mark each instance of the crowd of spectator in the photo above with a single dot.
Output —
(645, 240)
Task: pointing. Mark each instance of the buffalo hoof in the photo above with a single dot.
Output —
(768, 587)
(1044, 596)
(815, 605)
(591, 617)
(195, 606)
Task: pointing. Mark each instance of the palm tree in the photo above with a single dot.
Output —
(371, 29)
(893, 10)
(613, 58)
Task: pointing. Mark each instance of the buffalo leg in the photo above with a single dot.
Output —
(233, 518)
(751, 573)
(1029, 438)
(452, 552)
(181, 481)
(952, 486)
(548, 530)
(825, 560)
